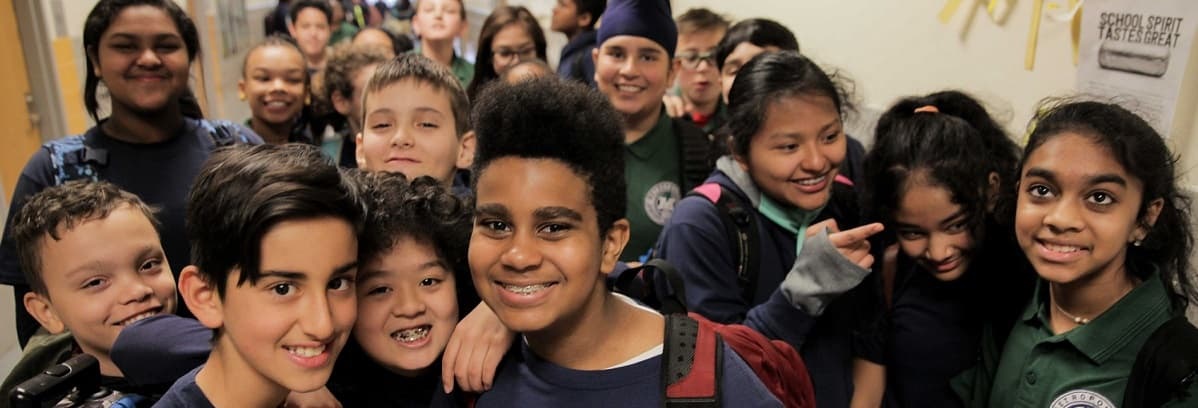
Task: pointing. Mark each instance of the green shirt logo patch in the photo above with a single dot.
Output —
(660, 200)
(1082, 399)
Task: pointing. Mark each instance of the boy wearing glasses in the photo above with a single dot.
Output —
(699, 32)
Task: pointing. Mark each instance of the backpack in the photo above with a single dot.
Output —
(1165, 367)
(692, 354)
(73, 160)
(740, 227)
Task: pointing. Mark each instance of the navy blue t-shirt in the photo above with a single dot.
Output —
(185, 394)
(526, 380)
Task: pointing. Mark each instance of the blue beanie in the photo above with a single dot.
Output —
(641, 18)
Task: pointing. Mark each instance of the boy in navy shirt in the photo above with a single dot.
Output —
(274, 233)
(549, 226)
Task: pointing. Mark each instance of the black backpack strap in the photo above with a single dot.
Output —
(740, 227)
(682, 356)
(695, 153)
(640, 283)
(223, 132)
(1165, 367)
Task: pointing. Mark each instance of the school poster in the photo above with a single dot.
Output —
(1135, 52)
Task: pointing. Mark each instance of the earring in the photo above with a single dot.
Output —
(1137, 242)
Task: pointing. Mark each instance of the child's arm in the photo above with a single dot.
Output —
(869, 384)
(160, 349)
(477, 345)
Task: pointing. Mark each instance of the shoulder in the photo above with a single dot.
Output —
(185, 393)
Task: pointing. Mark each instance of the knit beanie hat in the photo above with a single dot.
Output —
(642, 18)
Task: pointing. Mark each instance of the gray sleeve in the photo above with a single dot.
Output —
(820, 274)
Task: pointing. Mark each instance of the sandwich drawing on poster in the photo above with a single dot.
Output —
(1135, 52)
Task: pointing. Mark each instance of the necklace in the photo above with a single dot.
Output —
(1076, 319)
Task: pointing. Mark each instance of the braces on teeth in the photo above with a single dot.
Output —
(525, 290)
(412, 334)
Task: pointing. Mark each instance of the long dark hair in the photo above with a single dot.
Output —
(948, 138)
(98, 21)
(499, 19)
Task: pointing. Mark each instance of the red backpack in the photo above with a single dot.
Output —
(692, 354)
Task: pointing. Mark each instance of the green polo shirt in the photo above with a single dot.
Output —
(654, 176)
(462, 69)
(1084, 367)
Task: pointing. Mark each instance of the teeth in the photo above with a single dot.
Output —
(1064, 249)
(411, 335)
(306, 352)
(628, 88)
(812, 181)
(276, 104)
(526, 290)
(137, 318)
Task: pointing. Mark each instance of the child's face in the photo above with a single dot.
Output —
(633, 72)
(511, 45)
(796, 155)
(410, 129)
(739, 56)
(933, 230)
(699, 79)
(103, 275)
(438, 19)
(289, 327)
(407, 307)
(565, 17)
(1077, 211)
(142, 59)
(536, 254)
(311, 30)
(274, 84)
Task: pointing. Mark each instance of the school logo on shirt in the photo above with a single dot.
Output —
(1082, 399)
(660, 200)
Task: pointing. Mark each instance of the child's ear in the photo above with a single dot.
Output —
(241, 89)
(291, 28)
(1151, 212)
(584, 20)
(40, 308)
(992, 192)
(360, 152)
(466, 150)
(341, 104)
(202, 298)
(595, 62)
(94, 57)
(613, 244)
(741, 160)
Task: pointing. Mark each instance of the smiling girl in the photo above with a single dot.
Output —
(1101, 219)
(276, 84)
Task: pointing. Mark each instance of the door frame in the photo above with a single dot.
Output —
(40, 68)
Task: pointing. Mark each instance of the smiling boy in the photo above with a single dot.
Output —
(549, 227)
(663, 157)
(274, 232)
(415, 121)
(93, 258)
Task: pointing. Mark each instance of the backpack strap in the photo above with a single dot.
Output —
(692, 364)
(223, 133)
(1165, 367)
(73, 160)
(740, 227)
(695, 153)
(640, 283)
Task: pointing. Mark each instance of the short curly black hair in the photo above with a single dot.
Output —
(560, 120)
(422, 210)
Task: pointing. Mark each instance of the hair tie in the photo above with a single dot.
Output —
(928, 109)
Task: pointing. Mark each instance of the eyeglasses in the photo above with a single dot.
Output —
(691, 59)
(507, 54)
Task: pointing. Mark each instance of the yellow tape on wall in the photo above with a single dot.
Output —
(69, 85)
(1029, 58)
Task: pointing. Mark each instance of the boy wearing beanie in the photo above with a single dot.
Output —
(663, 157)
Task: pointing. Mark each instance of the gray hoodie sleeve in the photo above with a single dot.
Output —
(819, 275)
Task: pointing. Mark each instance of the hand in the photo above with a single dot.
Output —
(675, 106)
(474, 351)
(852, 244)
(321, 398)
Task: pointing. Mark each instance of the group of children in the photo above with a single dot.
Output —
(467, 261)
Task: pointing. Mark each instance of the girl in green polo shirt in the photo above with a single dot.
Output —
(1100, 217)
